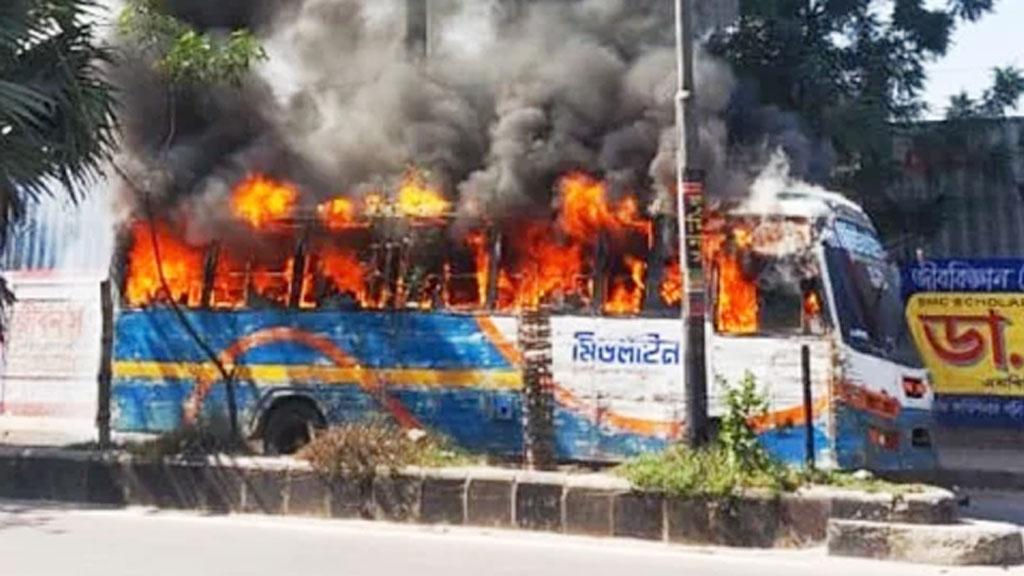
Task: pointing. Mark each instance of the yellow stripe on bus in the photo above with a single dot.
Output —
(271, 373)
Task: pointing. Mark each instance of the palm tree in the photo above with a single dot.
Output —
(57, 123)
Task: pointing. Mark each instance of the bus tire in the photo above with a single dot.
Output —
(289, 425)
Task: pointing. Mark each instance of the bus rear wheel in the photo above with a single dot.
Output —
(289, 426)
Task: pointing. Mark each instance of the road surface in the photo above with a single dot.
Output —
(59, 540)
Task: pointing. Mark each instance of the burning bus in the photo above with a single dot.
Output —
(389, 305)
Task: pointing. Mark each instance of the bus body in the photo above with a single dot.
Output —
(812, 273)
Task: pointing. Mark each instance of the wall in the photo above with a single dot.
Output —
(51, 358)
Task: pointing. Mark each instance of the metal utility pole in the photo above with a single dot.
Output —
(417, 28)
(690, 203)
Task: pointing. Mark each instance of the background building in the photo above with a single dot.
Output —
(961, 195)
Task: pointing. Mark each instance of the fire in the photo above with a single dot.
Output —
(737, 309)
(345, 273)
(812, 305)
(477, 242)
(230, 282)
(553, 261)
(260, 200)
(672, 284)
(628, 214)
(337, 214)
(743, 237)
(417, 199)
(548, 270)
(585, 210)
(272, 283)
(544, 261)
(627, 295)
(182, 268)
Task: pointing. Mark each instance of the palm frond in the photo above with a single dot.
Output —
(57, 118)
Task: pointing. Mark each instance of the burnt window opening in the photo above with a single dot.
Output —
(270, 282)
(421, 259)
(625, 258)
(389, 265)
(257, 277)
(764, 279)
(541, 267)
(156, 255)
(663, 280)
(338, 275)
(467, 272)
(763, 295)
(230, 281)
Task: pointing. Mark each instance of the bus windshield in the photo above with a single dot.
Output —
(867, 296)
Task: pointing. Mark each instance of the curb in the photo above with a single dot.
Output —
(964, 544)
(972, 478)
(592, 504)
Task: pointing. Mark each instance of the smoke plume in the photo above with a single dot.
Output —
(512, 96)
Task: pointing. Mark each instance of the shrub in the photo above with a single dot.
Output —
(186, 442)
(737, 436)
(736, 461)
(360, 451)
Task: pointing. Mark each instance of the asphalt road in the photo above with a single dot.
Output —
(58, 540)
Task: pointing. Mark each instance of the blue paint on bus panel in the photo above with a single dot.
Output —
(375, 339)
(475, 416)
(856, 450)
(789, 444)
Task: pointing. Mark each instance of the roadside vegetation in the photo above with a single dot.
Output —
(365, 449)
(736, 461)
(186, 442)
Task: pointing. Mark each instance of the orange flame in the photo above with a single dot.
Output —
(271, 283)
(553, 261)
(230, 282)
(417, 199)
(337, 214)
(345, 272)
(546, 262)
(477, 242)
(812, 305)
(737, 310)
(547, 270)
(743, 237)
(182, 268)
(672, 284)
(585, 210)
(627, 295)
(259, 200)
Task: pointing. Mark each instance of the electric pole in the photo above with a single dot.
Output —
(690, 206)
(417, 28)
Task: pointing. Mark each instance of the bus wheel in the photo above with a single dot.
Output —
(289, 426)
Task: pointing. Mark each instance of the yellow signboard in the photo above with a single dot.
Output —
(972, 343)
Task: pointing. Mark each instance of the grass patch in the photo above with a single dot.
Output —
(738, 462)
(362, 450)
(713, 471)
